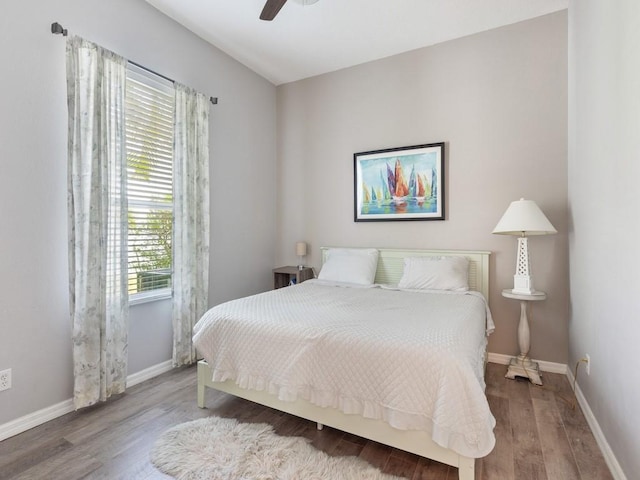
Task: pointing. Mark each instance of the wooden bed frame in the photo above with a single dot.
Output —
(390, 267)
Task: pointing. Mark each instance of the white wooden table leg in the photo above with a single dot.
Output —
(524, 335)
(522, 366)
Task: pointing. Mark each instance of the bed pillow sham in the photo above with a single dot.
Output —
(435, 273)
(350, 265)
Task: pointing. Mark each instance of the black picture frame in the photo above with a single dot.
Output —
(400, 184)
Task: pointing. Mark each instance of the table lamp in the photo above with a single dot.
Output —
(523, 218)
(301, 251)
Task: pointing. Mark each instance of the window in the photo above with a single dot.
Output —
(149, 117)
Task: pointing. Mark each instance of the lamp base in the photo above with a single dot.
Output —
(522, 366)
(522, 279)
(523, 284)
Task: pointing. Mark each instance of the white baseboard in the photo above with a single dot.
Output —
(148, 373)
(34, 419)
(609, 457)
(550, 367)
(39, 417)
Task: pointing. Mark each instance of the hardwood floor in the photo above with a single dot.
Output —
(538, 435)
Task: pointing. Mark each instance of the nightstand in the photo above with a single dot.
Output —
(283, 276)
(522, 366)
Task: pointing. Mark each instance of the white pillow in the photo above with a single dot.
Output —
(350, 265)
(436, 273)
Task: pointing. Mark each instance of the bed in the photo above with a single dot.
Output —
(416, 389)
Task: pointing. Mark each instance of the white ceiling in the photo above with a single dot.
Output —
(307, 40)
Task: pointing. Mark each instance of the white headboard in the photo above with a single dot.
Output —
(391, 265)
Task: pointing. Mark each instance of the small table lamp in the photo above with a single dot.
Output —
(301, 251)
(523, 218)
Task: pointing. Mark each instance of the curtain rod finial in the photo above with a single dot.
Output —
(58, 29)
(214, 100)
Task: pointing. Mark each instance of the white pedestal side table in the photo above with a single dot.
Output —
(522, 366)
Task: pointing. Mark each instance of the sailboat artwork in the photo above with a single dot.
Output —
(400, 183)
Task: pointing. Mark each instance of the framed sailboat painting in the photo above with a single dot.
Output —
(405, 183)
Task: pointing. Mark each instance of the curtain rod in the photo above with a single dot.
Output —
(58, 29)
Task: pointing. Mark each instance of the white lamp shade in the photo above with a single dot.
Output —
(524, 217)
(301, 249)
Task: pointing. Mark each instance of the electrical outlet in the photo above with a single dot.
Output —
(5, 379)
(588, 362)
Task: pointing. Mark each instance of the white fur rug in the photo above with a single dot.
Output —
(222, 449)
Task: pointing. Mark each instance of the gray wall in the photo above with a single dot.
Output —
(34, 314)
(604, 168)
(499, 101)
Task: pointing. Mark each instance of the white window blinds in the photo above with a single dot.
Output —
(149, 117)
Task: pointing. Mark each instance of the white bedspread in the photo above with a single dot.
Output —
(413, 359)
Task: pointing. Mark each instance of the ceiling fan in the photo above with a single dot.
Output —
(272, 7)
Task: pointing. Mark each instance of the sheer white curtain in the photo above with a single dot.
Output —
(97, 221)
(191, 223)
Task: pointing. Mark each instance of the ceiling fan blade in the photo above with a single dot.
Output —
(271, 9)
